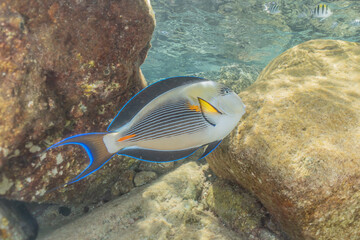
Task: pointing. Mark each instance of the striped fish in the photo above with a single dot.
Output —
(271, 7)
(321, 11)
(356, 22)
(167, 121)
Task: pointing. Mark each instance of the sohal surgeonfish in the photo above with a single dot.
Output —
(166, 121)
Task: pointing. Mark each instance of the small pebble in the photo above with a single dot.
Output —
(144, 177)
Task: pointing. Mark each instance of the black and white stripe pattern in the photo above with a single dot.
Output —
(168, 121)
(321, 11)
(272, 8)
(145, 96)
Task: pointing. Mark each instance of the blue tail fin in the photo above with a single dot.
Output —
(95, 148)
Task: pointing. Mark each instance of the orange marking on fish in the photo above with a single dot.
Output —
(126, 137)
(194, 108)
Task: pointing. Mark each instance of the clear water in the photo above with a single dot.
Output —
(233, 39)
(208, 37)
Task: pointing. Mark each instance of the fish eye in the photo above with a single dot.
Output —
(225, 90)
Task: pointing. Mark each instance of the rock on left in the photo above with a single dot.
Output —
(66, 67)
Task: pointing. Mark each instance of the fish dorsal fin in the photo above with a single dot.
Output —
(142, 98)
(209, 112)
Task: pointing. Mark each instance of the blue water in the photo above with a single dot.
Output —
(212, 37)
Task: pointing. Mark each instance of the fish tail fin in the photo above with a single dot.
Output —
(95, 148)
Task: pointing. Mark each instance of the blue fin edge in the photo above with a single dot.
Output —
(91, 158)
(58, 144)
(210, 151)
(88, 152)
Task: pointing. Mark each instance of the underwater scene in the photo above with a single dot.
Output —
(179, 119)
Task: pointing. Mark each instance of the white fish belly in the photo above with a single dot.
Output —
(180, 142)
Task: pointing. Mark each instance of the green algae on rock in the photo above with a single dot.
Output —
(66, 68)
(297, 148)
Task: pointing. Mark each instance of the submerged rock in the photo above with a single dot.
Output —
(239, 210)
(169, 208)
(144, 177)
(156, 167)
(298, 146)
(16, 223)
(66, 68)
(124, 184)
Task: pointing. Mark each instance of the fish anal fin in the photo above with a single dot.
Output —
(150, 155)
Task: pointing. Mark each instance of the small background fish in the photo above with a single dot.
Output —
(321, 11)
(356, 22)
(272, 8)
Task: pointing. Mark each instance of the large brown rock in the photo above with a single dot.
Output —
(298, 146)
(66, 67)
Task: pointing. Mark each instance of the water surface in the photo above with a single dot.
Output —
(208, 37)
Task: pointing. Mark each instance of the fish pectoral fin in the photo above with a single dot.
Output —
(209, 148)
(209, 112)
(206, 107)
(150, 155)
